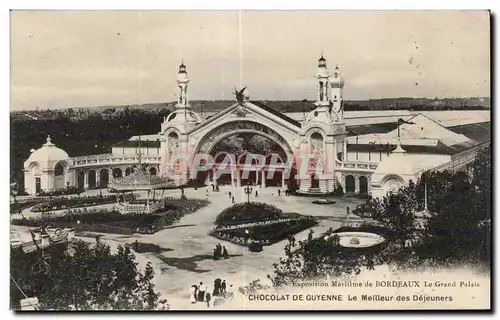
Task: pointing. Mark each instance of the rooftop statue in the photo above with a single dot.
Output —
(239, 95)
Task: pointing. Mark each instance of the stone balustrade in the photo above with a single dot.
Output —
(355, 166)
(111, 159)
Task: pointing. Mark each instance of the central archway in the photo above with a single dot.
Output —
(230, 142)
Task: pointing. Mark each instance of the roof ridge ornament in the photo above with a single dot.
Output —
(240, 96)
(49, 141)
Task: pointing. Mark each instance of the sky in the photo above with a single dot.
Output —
(94, 58)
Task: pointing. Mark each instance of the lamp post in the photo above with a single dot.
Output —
(248, 191)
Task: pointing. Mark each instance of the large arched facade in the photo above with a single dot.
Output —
(310, 145)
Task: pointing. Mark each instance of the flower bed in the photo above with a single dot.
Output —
(19, 206)
(77, 202)
(110, 221)
(266, 232)
(247, 212)
(61, 192)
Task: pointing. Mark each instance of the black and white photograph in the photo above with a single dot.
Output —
(213, 160)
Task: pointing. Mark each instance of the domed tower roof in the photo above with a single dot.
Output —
(182, 68)
(322, 62)
(48, 153)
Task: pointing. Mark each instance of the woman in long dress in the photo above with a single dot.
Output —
(192, 294)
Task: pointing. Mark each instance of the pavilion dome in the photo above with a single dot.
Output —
(48, 154)
(395, 171)
(399, 162)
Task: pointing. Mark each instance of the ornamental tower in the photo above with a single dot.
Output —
(183, 113)
(174, 132)
(182, 83)
(322, 76)
(337, 93)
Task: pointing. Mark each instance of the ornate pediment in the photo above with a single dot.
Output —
(240, 112)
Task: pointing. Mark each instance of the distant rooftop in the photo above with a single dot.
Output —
(261, 105)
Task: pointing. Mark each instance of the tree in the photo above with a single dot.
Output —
(481, 181)
(461, 205)
(314, 258)
(396, 212)
(85, 277)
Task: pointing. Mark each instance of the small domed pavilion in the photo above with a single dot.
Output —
(47, 169)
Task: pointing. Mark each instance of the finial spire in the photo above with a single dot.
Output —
(49, 141)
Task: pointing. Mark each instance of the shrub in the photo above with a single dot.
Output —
(338, 191)
(66, 191)
(76, 202)
(246, 212)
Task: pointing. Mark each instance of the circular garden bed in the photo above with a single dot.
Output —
(248, 212)
(250, 223)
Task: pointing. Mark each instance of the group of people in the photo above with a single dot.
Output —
(220, 252)
(200, 293)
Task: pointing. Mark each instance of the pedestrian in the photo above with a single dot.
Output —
(215, 254)
(192, 294)
(279, 192)
(370, 264)
(256, 194)
(229, 194)
(217, 288)
(224, 252)
(201, 292)
(208, 298)
(232, 199)
(223, 287)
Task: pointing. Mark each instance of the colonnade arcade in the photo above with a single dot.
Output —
(355, 183)
(245, 170)
(101, 177)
